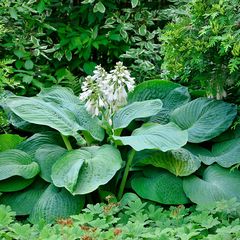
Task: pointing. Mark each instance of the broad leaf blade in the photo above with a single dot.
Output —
(83, 171)
(124, 116)
(22, 202)
(54, 204)
(179, 162)
(217, 184)
(37, 111)
(204, 118)
(159, 186)
(171, 94)
(14, 183)
(15, 162)
(155, 136)
(46, 156)
(67, 100)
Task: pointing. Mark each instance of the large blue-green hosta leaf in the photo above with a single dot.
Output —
(226, 154)
(32, 144)
(37, 111)
(171, 94)
(22, 202)
(216, 184)
(46, 156)
(155, 136)
(15, 162)
(204, 118)
(66, 99)
(160, 186)
(83, 171)
(14, 183)
(55, 203)
(180, 162)
(124, 116)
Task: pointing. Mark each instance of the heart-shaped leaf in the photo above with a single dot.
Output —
(155, 136)
(15, 162)
(9, 141)
(46, 156)
(216, 184)
(55, 203)
(83, 171)
(22, 202)
(160, 186)
(144, 109)
(180, 162)
(204, 118)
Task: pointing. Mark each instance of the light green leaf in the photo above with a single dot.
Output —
(46, 156)
(180, 162)
(9, 141)
(155, 136)
(171, 94)
(159, 186)
(144, 109)
(37, 111)
(22, 202)
(83, 171)
(15, 162)
(134, 3)
(204, 118)
(142, 30)
(13, 13)
(99, 7)
(54, 204)
(216, 184)
(28, 64)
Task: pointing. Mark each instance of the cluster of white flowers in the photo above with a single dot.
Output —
(106, 92)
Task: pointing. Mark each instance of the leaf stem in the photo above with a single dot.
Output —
(67, 142)
(125, 175)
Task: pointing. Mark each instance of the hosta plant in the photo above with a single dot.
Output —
(81, 144)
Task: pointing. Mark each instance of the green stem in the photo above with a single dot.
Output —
(125, 175)
(67, 143)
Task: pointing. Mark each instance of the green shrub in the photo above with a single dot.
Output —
(202, 46)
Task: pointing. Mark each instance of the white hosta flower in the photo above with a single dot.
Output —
(105, 92)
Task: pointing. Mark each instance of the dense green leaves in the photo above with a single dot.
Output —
(216, 184)
(83, 171)
(17, 163)
(159, 186)
(54, 204)
(144, 109)
(155, 136)
(179, 162)
(204, 118)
